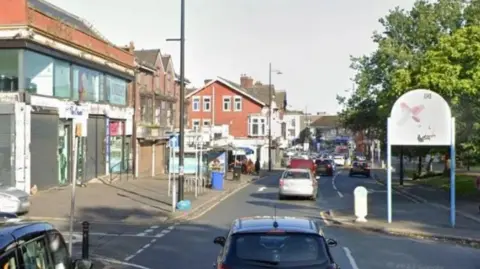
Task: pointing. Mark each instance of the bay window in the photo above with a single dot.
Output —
(257, 126)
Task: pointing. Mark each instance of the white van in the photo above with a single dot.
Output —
(339, 160)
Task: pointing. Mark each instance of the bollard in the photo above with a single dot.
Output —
(361, 203)
(85, 236)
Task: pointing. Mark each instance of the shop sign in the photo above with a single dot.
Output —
(73, 112)
(116, 128)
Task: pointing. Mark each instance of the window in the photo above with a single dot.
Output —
(146, 109)
(227, 103)
(207, 123)
(35, 254)
(237, 106)
(9, 260)
(116, 89)
(38, 73)
(256, 126)
(61, 79)
(9, 70)
(207, 103)
(196, 125)
(196, 103)
(86, 83)
(293, 123)
(59, 250)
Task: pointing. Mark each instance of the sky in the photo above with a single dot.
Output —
(309, 41)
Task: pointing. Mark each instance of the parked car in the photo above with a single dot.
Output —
(35, 245)
(298, 183)
(324, 167)
(13, 200)
(360, 168)
(339, 160)
(274, 242)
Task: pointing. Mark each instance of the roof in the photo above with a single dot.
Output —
(147, 57)
(165, 61)
(326, 121)
(265, 223)
(11, 232)
(234, 86)
(66, 17)
(280, 99)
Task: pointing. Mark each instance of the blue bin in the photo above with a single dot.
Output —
(217, 180)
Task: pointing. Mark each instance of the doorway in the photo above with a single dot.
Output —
(64, 151)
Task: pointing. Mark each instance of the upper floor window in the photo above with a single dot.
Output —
(196, 103)
(38, 73)
(116, 89)
(207, 103)
(227, 103)
(146, 109)
(257, 126)
(237, 106)
(86, 83)
(9, 70)
(61, 79)
(196, 124)
(293, 122)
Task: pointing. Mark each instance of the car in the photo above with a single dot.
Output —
(13, 200)
(35, 245)
(274, 242)
(324, 167)
(297, 183)
(303, 164)
(360, 168)
(339, 160)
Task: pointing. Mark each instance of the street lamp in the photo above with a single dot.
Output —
(181, 136)
(270, 113)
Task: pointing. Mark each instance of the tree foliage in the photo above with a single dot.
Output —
(434, 45)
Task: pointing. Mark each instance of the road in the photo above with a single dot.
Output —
(189, 245)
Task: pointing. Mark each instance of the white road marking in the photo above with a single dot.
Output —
(141, 234)
(146, 246)
(108, 260)
(334, 186)
(262, 188)
(352, 261)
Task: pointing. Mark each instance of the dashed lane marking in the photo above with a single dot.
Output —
(155, 238)
(350, 258)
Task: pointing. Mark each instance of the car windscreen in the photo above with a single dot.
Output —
(295, 175)
(282, 249)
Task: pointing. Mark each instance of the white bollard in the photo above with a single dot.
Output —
(361, 203)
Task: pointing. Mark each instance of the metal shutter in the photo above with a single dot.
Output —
(6, 142)
(96, 131)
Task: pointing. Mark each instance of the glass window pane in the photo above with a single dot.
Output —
(116, 90)
(61, 79)
(8, 70)
(86, 82)
(38, 73)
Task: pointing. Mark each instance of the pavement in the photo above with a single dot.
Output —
(188, 243)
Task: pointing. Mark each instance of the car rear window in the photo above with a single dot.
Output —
(281, 249)
(295, 175)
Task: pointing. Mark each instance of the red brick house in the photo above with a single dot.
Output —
(222, 102)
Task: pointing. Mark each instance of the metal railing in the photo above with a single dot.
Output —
(123, 173)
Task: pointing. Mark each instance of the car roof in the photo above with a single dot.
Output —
(11, 232)
(263, 224)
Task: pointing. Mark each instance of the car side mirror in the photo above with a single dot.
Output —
(331, 242)
(219, 240)
(82, 264)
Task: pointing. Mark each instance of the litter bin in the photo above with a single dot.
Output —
(217, 180)
(237, 173)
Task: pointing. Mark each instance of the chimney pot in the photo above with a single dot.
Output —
(246, 81)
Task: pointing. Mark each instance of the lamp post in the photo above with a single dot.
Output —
(270, 97)
(181, 136)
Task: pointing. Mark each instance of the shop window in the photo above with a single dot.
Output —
(116, 90)
(38, 73)
(86, 84)
(9, 70)
(61, 79)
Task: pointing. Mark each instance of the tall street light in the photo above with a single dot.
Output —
(270, 96)
(181, 138)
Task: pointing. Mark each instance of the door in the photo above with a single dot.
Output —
(145, 159)
(45, 150)
(160, 158)
(96, 147)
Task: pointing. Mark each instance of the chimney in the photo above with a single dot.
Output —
(246, 81)
(206, 81)
(131, 47)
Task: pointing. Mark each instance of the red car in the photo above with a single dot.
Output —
(303, 164)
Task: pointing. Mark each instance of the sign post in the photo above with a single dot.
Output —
(421, 118)
(172, 182)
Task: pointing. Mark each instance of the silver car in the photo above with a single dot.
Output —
(298, 183)
(13, 200)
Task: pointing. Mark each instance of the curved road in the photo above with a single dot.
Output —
(189, 245)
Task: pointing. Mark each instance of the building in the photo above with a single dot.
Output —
(241, 109)
(63, 94)
(155, 101)
(293, 124)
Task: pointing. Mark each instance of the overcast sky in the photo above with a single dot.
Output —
(308, 40)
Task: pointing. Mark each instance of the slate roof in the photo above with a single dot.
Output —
(326, 121)
(147, 57)
(165, 61)
(257, 94)
(65, 17)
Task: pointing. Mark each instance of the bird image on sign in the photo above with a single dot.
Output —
(410, 113)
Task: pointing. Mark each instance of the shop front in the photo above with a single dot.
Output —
(119, 147)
